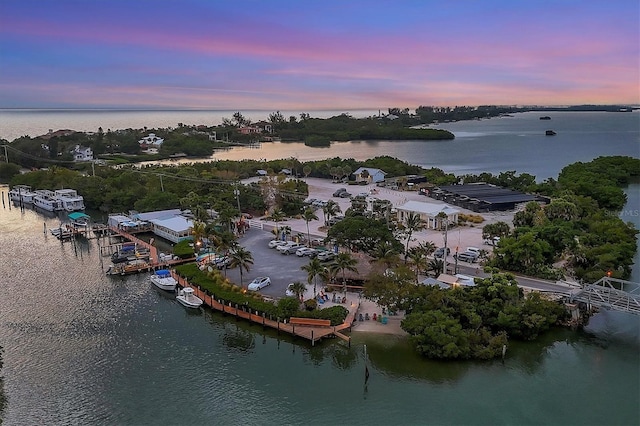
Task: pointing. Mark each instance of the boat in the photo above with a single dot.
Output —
(550, 133)
(545, 117)
(188, 299)
(79, 220)
(63, 232)
(46, 200)
(163, 280)
(21, 194)
(130, 267)
(69, 200)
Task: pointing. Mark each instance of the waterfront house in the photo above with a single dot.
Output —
(429, 212)
(151, 141)
(369, 175)
(171, 224)
(81, 153)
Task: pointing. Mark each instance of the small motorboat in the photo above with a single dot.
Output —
(163, 280)
(188, 299)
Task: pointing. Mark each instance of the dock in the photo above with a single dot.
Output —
(154, 261)
(307, 332)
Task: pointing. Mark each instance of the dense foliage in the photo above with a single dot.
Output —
(476, 322)
(580, 231)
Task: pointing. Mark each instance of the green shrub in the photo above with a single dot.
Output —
(183, 250)
(310, 304)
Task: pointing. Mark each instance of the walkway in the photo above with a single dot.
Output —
(311, 333)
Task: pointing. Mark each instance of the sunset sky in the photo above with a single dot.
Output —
(306, 55)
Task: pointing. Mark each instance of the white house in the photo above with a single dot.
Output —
(80, 153)
(369, 175)
(174, 229)
(168, 224)
(428, 213)
(151, 141)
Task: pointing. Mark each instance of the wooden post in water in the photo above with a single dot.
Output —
(313, 342)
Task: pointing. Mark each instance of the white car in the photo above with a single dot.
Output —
(289, 247)
(305, 251)
(289, 292)
(259, 283)
(276, 243)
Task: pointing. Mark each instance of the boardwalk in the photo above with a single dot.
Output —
(311, 333)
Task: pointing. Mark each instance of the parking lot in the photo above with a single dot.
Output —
(268, 262)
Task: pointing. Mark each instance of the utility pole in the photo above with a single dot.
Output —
(444, 256)
(236, 192)
(6, 156)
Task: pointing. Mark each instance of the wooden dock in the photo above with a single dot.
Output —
(312, 333)
(154, 259)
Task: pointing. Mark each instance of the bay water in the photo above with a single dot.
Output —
(84, 348)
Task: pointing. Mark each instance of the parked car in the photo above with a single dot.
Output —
(473, 250)
(492, 241)
(326, 256)
(338, 192)
(440, 252)
(223, 262)
(334, 220)
(289, 292)
(289, 248)
(467, 256)
(259, 283)
(276, 243)
(305, 251)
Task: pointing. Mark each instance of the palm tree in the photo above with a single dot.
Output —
(313, 269)
(412, 223)
(286, 230)
(277, 216)
(385, 254)
(241, 258)
(418, 258)
(330, 210)
(308, 215)
(342, 263)
(198, 230)
(298, 289)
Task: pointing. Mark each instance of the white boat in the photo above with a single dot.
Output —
(188, 299)
(69, 199)
(21, 194)
(46, 200)
(163, 280)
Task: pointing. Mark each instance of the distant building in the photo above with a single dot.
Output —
(151, 141)
(369, 175)
(428, 212)
(81, 153)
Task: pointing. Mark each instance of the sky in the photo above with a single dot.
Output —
(313, 55)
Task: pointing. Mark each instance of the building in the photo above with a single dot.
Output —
(81, 153)
(429, 213)
(483, 197)
(151, 141)
(174, 229)
(369, 175)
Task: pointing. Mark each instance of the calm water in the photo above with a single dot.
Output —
(84, 348)
(495, 145)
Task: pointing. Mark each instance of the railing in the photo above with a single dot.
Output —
(611, 293)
